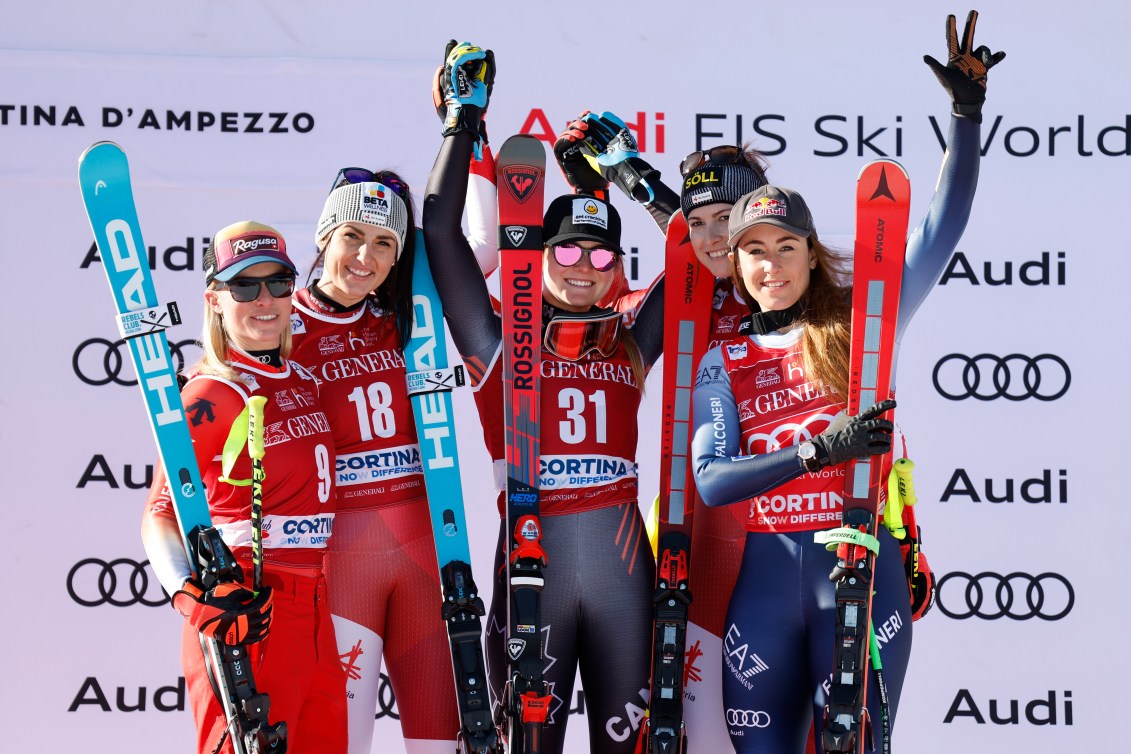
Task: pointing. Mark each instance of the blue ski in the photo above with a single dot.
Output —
(430, 382)
(104, 177)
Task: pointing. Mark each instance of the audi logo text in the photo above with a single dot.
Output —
(121, 583)
(1020, 596)
(98, 361)
(745, 718)
(1015, 377)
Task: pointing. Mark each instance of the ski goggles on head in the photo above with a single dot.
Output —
(245, 289)
(571, 335)
(346, 176)
(600, 258)
(727, 154)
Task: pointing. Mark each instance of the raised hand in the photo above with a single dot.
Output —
(570, 150)
(965, 74)
(462, 88)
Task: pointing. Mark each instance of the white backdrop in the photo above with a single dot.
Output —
(349, 84)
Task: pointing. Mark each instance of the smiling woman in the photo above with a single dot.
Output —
(247, 339)
(350, 326)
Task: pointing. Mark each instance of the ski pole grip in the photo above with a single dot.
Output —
(903, 468)
(255, 426)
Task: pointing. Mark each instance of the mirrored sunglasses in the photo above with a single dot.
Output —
(600, 258)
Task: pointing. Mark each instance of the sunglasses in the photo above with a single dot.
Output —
(600, 258)
(721, 155)
(346, 176)
(245, 290)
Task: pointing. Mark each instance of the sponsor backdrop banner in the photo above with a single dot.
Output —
(232, 111)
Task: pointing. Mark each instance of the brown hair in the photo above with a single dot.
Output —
(826, 315)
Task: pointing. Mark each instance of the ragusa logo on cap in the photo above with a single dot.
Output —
(589, 212)
(254, 242)
(765, 206)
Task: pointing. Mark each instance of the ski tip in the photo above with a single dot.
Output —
(883, 162)
(677, 233)
(523, 146)
(100, 145)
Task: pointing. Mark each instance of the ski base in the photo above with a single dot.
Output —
(883, 197)
(687, 308)
(521, 170)
(430, 382)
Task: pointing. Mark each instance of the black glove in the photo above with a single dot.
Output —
(570, 150)
(855, 437)
(964, 75)
(462, 87)
(227, 611)
(613, 152)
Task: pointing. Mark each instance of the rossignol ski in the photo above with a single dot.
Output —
(883, 197)
(104, 178)
(430, 382)
(521, 170)
(687, 316)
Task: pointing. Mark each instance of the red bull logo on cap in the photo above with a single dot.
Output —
(765, 206)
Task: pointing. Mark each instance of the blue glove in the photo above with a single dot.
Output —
(613, 153)
(462, 88)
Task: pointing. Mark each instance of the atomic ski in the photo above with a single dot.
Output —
(430, 382)
(687, 315)
(104, 178)
(521, 170)
(883, 197)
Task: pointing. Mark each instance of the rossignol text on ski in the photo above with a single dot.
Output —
(521, 170)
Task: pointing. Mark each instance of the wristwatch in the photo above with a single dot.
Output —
(807, 452)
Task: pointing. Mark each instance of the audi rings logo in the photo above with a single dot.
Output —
(1015, 377)
(98, 361)
(1016, 595)
(744, 718)
(121, 583)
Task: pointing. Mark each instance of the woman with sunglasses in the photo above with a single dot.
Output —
(350, 325)
(716, 178)
(287, 625)
(596, 603)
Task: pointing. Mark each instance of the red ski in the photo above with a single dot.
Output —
(688, 290)
(883, 198)
(521, 170)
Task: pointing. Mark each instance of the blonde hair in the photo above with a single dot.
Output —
(826, 316)
(215, 342)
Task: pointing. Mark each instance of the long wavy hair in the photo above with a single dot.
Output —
(826, 315)
(395, 293)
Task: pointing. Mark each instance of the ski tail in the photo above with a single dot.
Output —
(430, 382)
(883, 196)
(687, 307)
(104, 178)
(521, 165)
